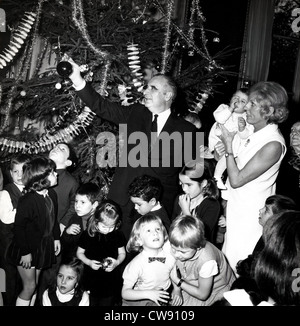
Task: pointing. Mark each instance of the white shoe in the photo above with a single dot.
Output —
(220, 184)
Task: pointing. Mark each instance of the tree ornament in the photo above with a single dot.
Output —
(17, 39)
(64, 69)
(58, 86)
(23, 93)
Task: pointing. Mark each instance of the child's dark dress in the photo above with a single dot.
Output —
(101, 284)
(35, 230)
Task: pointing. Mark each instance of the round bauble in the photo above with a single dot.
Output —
(64, 69)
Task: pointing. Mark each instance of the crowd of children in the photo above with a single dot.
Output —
(61, 240)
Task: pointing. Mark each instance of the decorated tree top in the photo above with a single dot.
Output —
(113, 40)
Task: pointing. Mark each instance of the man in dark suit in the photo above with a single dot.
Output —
(174, 142)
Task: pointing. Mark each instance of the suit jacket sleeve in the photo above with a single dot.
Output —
(108, 110)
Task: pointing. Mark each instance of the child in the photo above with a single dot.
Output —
(276, 270)
(65, 158)
(9, 198)
(147, 276)
(200, 196)
(202, 273)
(233, 117)
(102, 249)
(295, 137)
(36, 231)
(86, 200)
(145, 192)
(274, 204)
(67, 290)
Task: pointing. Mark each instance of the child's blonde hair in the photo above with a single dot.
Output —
(133, 243)
(187, 232)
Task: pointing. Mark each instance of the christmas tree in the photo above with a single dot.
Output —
(112, 41)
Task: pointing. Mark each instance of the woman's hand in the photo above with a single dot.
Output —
(219, 150)
(227, 137)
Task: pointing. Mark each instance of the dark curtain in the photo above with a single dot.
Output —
(257, 41)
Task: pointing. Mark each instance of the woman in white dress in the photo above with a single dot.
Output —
(252, 173)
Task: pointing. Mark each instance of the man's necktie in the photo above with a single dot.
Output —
(160, 259)
(154, 124)
(153, 132)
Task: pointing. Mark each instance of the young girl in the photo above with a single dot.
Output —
(9, 198)
(67, 290)
(147, 276)
(102, 249)
(274, 204)
(200, 196)
(202, 273)
(36, 231)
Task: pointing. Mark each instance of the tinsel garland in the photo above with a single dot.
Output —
(8, 108)
(47, 141)
(22, 71)
(189, 41)
(79, 20)
(17, 39)
(167, 36)
(102, 88)
(28, 52)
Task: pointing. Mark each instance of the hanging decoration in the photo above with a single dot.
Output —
(102, 88)
(167, 37)
(94, 32)
(126, 91)
(134, 64)
(79, 20)
(17, 39)
(200, 101)
(47, 141)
